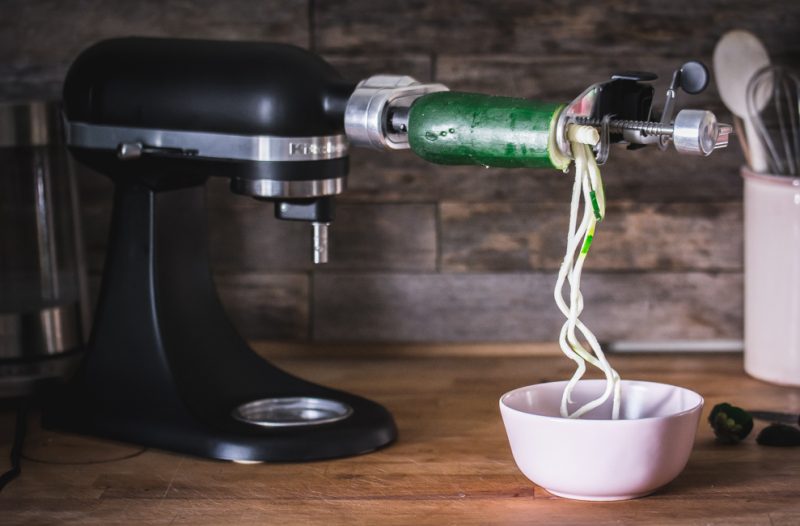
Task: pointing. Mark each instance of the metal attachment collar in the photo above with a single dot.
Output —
(378, 108)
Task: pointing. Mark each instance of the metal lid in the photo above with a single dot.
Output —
(34, 123)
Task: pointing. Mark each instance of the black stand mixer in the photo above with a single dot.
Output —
(164, 366)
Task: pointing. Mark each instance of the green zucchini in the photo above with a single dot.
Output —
(469, 128)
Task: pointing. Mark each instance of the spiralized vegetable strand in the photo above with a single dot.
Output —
(587, 191)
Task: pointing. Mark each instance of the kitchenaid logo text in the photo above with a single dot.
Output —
(306, 149)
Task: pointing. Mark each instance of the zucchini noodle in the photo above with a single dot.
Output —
(588, 192)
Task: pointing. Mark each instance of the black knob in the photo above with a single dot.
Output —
(693, 77)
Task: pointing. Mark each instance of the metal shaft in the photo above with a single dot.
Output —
(320, 242)
(693, 132)
(650, 128)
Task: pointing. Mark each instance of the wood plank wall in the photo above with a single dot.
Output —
(431, 253)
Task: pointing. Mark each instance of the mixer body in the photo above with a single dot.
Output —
(164, 366)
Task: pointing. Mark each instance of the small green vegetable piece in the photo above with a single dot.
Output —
(730, 423)
(595, 206)
(587, 244)
(779, 435)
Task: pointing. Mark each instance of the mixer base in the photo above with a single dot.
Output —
(165, 367)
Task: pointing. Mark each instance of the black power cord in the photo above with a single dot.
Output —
(16, 447)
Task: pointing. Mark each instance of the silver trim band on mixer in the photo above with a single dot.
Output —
(206, 144)
(304, 189)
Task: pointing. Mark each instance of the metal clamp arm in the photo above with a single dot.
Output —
(622, 109)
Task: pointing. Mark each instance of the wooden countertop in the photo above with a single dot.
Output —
(451, 465)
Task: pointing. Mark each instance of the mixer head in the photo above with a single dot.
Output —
(168, 113)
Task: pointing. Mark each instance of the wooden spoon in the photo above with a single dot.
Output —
(737, 56)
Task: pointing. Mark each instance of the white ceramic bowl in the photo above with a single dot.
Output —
(594, 457)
